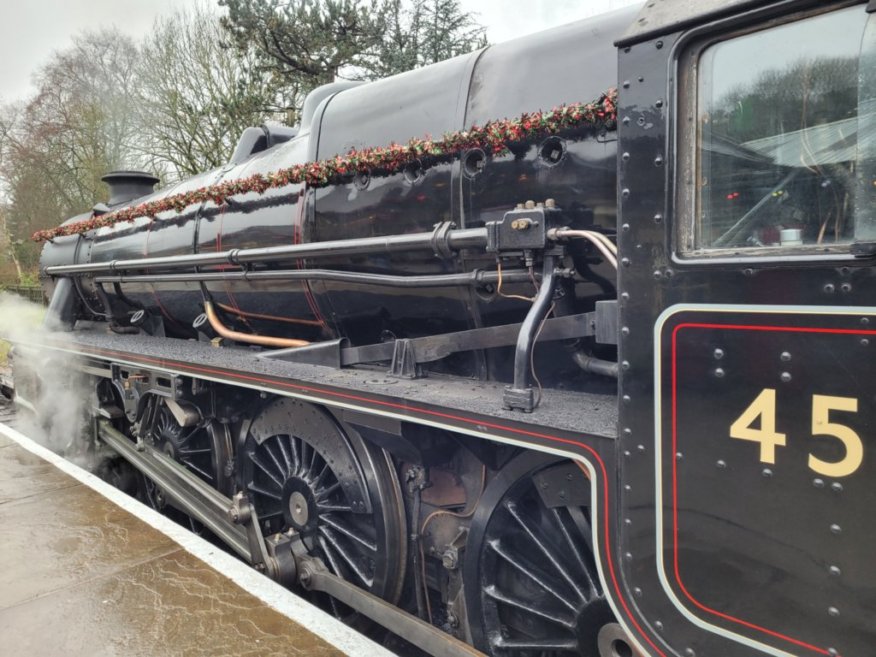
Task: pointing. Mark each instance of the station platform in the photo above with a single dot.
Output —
(86, 570)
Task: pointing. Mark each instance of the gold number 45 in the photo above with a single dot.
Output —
(764, 407)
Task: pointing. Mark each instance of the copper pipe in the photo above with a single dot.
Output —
(288, 320)
(262, 340)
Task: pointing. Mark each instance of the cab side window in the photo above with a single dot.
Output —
(779, 137)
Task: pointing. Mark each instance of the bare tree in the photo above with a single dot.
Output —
(55, 147)
(10, 269)
(196, 94)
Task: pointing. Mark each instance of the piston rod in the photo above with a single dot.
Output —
(185, 490)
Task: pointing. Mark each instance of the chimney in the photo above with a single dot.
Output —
(125, 186)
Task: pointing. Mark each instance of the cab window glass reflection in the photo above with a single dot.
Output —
(779, 135)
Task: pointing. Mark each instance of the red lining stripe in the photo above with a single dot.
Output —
(732, 327)
(155, 296)
(225, 283)
(433, 413)
(297, 236)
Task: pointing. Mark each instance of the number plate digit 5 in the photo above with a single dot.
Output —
(764, 407)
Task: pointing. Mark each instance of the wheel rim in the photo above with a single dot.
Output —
(306, 473)
(531, 582)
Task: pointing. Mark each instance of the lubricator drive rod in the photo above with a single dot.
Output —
(442, 241)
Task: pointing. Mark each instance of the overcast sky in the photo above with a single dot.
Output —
(30, 30)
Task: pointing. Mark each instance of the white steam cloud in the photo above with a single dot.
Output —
(54, 397)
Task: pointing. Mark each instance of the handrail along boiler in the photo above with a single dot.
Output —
(583, 382)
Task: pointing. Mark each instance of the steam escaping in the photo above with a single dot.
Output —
(53, 396)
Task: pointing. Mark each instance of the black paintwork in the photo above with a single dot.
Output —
(502, 81)
(759, 558)
(755, 540)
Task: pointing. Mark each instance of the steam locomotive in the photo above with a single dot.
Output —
(605, 392)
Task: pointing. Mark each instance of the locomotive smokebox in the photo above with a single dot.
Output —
(125, 186)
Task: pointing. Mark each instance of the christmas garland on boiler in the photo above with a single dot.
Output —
(493, 138)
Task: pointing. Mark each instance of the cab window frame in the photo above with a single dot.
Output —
(684, 201)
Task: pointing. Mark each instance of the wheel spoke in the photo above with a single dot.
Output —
(492, 592)
(576, 551)
(330, 558)
(578, 518)
(325, 470)
(296, 453)
(312, 465)
(332, 540)
(190, 452)
(287, 458)
(305, 456)
(270, 452)
(183, 438)
(263, 491)
(261, 466)
(328, 508)
(334, 605)
(337, 525)
(325, 492)
(512, 509)
(207, 475)
(497, 547)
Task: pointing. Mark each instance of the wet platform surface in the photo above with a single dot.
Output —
(79, 575)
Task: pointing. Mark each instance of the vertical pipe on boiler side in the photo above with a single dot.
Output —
(520, 394)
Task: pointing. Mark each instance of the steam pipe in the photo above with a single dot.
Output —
(263, 340)
(605, 246)
(476, 277)
(519, 394)
(289, 320)
(440, 240)
(595, 365)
